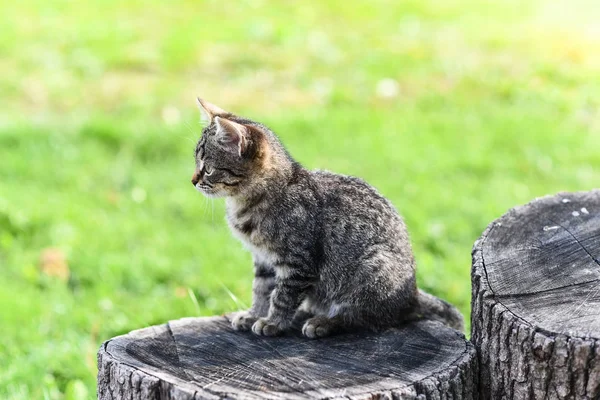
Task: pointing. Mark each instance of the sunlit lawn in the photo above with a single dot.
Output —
(455, 110)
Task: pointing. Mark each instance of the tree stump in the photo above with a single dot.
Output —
(536, 300)
(203, 358)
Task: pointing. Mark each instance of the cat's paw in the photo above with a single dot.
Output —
(318, 327)
(243, 321)
(264, 327)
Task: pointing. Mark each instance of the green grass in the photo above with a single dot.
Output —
(496, 103)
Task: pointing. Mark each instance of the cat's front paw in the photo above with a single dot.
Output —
(243, 321)
(264, 327)
(318, 327)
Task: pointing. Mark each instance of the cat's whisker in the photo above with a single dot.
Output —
(191, 129)
(191, 139)
(188, 138)
(206, 203)
(212, 207)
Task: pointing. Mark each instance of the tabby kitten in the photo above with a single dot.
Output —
(328, 249)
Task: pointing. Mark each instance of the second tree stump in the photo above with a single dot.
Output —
(536, 300)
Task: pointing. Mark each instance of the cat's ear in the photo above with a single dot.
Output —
(209, 111)
(231, 135)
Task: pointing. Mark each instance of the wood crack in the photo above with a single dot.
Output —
(577, 241)
(529, 294)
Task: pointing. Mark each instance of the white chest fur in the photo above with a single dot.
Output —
(253, 240)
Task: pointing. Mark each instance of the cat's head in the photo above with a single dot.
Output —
(234, 154)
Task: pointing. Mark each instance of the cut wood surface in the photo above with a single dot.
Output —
(203, 358)
(536, 300)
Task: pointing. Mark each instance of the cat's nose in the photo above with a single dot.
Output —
(196, 177)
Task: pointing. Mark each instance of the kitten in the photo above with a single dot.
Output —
(328, 249)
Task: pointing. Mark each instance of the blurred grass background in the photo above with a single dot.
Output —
(455, 110)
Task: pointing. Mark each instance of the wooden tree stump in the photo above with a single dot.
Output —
(203, 358)
(536, 300)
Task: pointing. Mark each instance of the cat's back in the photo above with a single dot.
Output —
(351, 194)
(355, 211)
(360, 225)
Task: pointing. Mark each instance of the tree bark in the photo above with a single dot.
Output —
(203, 358)
(536, 300)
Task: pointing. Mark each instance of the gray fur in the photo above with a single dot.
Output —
(327, 248)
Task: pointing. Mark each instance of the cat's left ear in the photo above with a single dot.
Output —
(209, 111)
(232, 136)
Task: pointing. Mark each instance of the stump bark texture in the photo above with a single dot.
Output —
(536, 300)
(203, 358)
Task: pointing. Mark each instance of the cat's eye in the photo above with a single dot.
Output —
(207, 170)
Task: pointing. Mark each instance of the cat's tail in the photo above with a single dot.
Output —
(431, 307)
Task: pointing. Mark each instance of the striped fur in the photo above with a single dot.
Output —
(327, 248)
